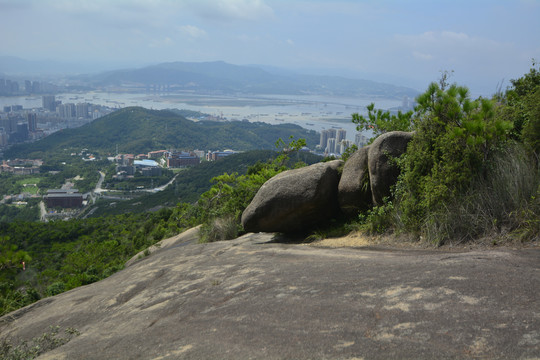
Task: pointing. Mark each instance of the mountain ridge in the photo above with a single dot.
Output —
(139, 130)
(219, 76)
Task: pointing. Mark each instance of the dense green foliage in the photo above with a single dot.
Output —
(522, 107)
(138, 130)
(62, 255)
(455, 137)
(465, 173)
(12, 212)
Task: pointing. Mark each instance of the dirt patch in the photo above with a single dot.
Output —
(358, 239)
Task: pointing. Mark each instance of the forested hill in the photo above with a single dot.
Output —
(139, 130)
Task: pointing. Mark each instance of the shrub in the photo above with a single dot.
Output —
(503, 200)
(223, 228)
(56, 288)
(455, 137)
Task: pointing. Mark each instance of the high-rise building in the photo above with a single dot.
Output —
(331, 133)
(67, 111)
(324, 138)
(82, 110)
(331, 146)
(32, 121)
(3, 138)
(36, 87)
(341, 134)
(49, 102)
(22, 132)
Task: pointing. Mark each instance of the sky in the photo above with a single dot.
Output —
(484, 42)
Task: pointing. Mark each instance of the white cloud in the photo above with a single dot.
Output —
(231, 10)
(192, 31)
(290, 42)
(159, 43)
(422, 56)
(450, 35)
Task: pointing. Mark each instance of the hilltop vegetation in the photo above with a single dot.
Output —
(138, 130)
(471, 169)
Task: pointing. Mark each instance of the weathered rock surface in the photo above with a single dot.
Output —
(253, 299)
(187, 237)
(295, 200)
(382, 172)
(354, 190)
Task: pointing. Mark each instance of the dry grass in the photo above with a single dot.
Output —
(358, 239)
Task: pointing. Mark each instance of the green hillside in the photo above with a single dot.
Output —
(138, 130)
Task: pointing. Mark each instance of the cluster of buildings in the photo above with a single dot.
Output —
(13, 87)
(21, 166)
(129, 164)
(19, 125)
(333, 141)
(151, 164)
(81, 111)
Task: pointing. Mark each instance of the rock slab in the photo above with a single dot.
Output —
(250, 298)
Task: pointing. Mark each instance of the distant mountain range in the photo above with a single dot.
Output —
(221, 77)
(209, 77)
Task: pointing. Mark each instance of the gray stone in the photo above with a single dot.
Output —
(252, 298)
(383, 173)
(354, 190)
(295, 200)
(189, 236)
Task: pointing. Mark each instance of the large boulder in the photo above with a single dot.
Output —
(354, 190)
(295, 200)
(383, 172)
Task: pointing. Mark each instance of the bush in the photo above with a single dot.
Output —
(218, 229)
(503, 200)
(455, 138)
(56, 288)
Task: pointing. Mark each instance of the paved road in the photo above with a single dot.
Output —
(254, 299)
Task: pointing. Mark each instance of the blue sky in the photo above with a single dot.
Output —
(402, 42)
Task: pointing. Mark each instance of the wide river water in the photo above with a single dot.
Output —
(309, 111)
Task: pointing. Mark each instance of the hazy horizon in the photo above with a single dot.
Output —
(403, 43)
